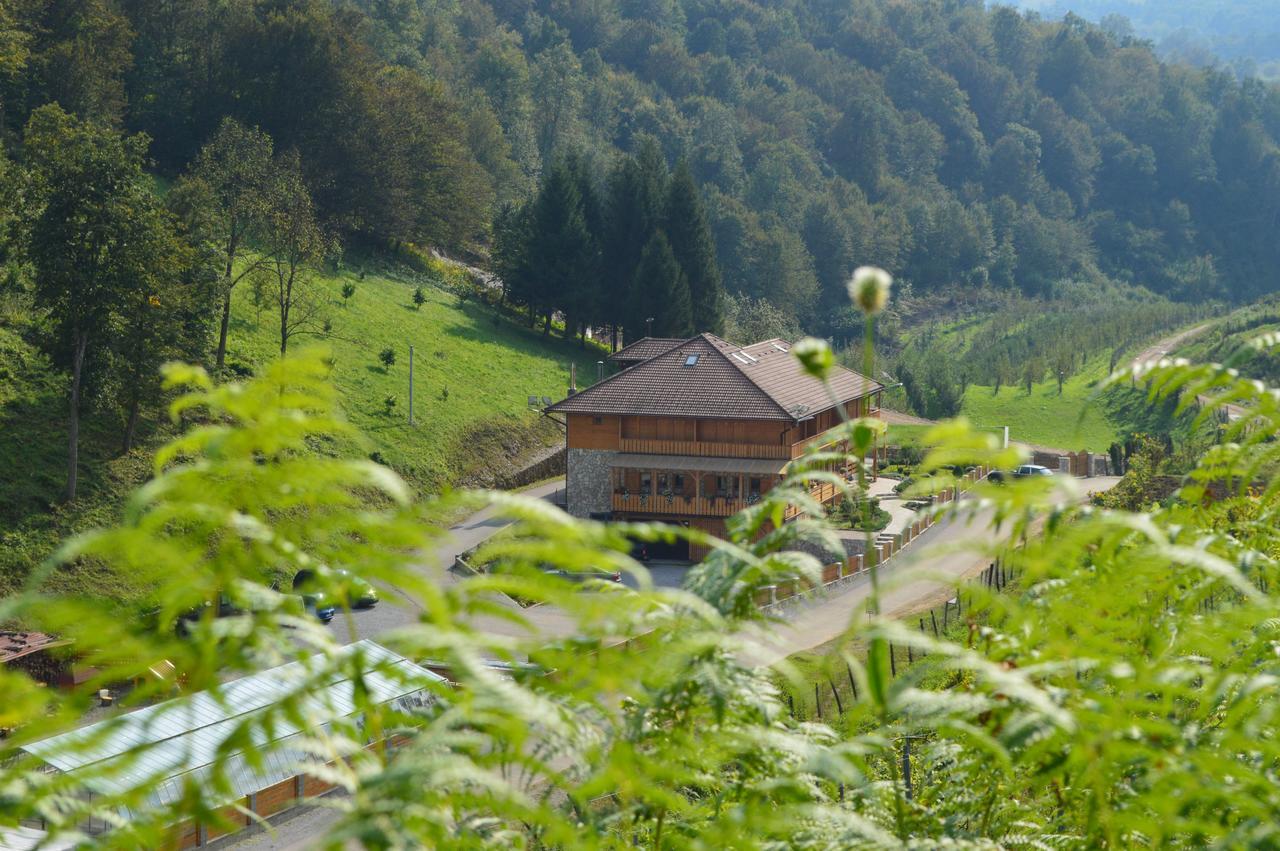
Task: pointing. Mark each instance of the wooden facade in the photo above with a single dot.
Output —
(708, 438)
(675, 491)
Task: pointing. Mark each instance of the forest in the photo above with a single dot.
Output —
(958, 147)
(1237, 34)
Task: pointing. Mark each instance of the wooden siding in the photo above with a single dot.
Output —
(275, 798)
(585, 433)
(707, 437)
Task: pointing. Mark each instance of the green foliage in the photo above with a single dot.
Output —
(388, 355)
(419, 297)
(863, 515)
(1132, 666)
(663, 290)
(111, 274)
(685, 225)
(227, 198)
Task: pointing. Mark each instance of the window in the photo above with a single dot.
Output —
(691, 360)
(597, 420)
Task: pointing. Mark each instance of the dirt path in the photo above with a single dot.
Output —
(1166, 346)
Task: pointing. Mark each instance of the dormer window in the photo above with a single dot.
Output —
(691, 360)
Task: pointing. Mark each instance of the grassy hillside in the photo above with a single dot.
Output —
(473, 373)
(1074, 420)
(481, 430)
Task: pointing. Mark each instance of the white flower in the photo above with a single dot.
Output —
(869, 289)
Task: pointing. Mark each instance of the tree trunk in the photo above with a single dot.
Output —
(286, 302)
(131, 424)
(546, 328)
(222, 335)
(73, 424)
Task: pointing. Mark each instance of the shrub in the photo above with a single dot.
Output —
(387, 356)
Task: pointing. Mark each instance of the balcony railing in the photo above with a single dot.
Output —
(704, 506)
(831, 435)
(704, 449)
(694, 506)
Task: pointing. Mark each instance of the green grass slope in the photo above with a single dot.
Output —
(473, 374)
(1074, 420)
(481, 430)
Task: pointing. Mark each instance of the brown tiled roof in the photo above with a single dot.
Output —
(760, 382)
(645, 348)
(15, 645)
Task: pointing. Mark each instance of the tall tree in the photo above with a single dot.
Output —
(15, 50)
(685, 223)
(80, 56)
(829, 243)
(229, 191)
(296, 243)
(94, 236)
(560, 251)
(663, 290)
(584, 303)
(165, 317)
(634, 213)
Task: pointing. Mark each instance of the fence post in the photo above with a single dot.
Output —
(893, 664)
(839, 703)
(817, 701)
(853, 684)
(935, 622)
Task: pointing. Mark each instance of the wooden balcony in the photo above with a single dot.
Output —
(704, 449)
(829, 436)
(818, 440)
(691, 506)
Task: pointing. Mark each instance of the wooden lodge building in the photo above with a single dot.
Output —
(692, 431)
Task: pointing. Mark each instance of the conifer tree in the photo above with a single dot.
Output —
(584, 302)
(663, 291)
(685, 223)
(633, 214)
(560, 251)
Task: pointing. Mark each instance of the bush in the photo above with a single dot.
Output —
(348, 290)
(419, 297)
(387, 356)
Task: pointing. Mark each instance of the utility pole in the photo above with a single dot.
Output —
(410, 385)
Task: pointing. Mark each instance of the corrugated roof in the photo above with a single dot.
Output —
(693, 463)
(645, 348)
(172, 742)
(30, 839)
(708, 377)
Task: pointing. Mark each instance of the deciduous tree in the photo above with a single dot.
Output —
(227, 195)
(94, 237)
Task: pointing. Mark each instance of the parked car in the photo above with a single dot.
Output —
(1031, 470)
(226, 608)
(583, 575)
(361, 593)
